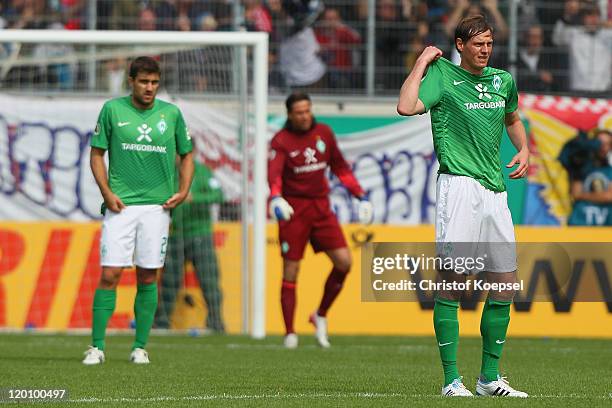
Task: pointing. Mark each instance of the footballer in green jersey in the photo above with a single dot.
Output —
(469, 106)
(143, 136)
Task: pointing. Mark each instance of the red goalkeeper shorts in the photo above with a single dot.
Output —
(312, 220)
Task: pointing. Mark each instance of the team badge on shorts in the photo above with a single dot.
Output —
(162, 126)
(285, 247)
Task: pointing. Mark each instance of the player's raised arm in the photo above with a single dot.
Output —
(409, 103)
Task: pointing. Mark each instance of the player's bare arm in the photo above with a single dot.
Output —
(98, 168)
(186, 170)
(518, 136)
(409, 103)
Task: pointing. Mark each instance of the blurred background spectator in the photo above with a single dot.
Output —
(535, 68)
(589, 46)
(587, 159)
(337, 42)
(563, 45)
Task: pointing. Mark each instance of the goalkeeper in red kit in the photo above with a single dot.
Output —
(300, 154)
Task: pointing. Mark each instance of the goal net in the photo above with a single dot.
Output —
(52, 86)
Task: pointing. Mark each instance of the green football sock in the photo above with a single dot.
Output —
(446, 326)
(493, 328)
(103, 308)
(145, 305)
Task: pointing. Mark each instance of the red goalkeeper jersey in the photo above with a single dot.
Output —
(297, 163)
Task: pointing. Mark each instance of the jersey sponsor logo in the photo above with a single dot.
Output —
(162, 126)
(457, 82)
(497, 82)
(309, 168)
(482, 91)
(484, 105)
(143, 148)
(144, 130)
(122, 124)
(309, 155)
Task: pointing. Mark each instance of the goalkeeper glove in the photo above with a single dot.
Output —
(365, 212)
(280, 209)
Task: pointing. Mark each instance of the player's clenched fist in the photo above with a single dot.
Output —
(280, 209)
(430, 54)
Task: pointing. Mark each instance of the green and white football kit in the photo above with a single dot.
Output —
(467, 119)
(142, 147)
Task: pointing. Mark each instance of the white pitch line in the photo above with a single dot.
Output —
(224, 396)
(238, 397)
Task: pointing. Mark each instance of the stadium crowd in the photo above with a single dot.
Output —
(563, 46)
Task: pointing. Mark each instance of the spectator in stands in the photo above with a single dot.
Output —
(338, 45)
(73, 14)
(257, 16)
(391, 45)
(147, 20)
(588, 162)
(56, 75)
(417, 44)
(124, 15)
(299, 59)
(590, 50)
(534, 67)
(166, 13)
(27, 14)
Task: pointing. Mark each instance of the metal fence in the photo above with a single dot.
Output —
(332, 47)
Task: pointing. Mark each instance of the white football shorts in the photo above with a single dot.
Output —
(475, 223)
(138, 235)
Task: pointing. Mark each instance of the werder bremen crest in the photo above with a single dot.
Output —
(162, 126)
(497, 82)
(320, 145)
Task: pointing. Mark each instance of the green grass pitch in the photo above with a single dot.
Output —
(358, 371)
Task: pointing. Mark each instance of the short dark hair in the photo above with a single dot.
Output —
(471, 27)
(294, 98)
(144, 64)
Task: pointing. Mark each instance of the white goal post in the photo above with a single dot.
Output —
(259, 56)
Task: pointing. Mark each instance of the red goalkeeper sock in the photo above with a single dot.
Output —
(288, 304)
(333, 285)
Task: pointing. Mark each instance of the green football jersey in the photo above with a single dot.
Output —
(142, 147)
(467, 119)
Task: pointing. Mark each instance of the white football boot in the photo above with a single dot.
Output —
(498, 388)
(291, 341)
(139, 356)
(320, 324)
(93, 356)
(456, 389)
